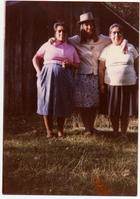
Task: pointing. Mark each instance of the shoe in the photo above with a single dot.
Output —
(61, 137)
(125, 138)
(115, 135)
(96, 131)
(86, 132)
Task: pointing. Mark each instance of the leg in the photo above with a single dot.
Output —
(124, 125)
(60, 121)
(115, 123)
(92, 117)
(48, 124)
(85, 115)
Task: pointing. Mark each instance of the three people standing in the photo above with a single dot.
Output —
(89, 46)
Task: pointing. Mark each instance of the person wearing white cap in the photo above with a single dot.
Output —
(89, 46)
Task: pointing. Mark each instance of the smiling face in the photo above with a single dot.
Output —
(116, 36)
(89, 27)
(61, 33)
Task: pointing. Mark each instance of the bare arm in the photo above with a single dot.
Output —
(35, 62)
(101, 74)
(136, 65)
(124, 46)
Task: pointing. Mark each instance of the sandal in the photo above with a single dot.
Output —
(61, 136)
(86, 132)
(49, 136)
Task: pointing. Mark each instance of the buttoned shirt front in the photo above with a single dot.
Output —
(89, 53)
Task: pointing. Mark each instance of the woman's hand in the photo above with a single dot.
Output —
(124, 46)
(102, 88)
(65, 64)
(38, 74)
(52, 40)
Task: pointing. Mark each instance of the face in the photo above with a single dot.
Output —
(61, 33)
(116, 36)
(89, 27)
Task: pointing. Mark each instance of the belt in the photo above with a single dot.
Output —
(53, 61)
(87, 74)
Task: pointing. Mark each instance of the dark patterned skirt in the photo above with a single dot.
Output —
(54, 91)
(119, 100)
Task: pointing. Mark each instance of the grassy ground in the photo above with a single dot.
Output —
(76, 165)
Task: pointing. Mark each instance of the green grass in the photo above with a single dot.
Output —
(35, 165)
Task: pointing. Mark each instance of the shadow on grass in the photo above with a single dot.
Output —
(133, 137)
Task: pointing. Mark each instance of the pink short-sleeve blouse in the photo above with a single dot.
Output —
(58, 52)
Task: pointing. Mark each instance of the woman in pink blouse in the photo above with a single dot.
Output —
(54, 83)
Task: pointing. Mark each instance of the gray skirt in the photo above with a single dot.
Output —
(119, 100)
(54, 91)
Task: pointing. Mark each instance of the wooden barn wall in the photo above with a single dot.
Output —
(28, 26)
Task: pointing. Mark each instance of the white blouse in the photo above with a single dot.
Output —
(119, 67)
(89, 53)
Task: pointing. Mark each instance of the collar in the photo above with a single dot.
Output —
(57, 43)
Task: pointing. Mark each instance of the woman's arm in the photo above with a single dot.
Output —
(124, 46)
(35, 62)
(101, 74)
(136, 66)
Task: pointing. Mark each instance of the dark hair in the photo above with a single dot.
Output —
(63, 23)
(83, 33)
(115, 25)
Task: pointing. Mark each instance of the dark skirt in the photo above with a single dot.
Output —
(54, 91)
(119, 100)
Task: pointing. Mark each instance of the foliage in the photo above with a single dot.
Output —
(127, 10)
(76, 165)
